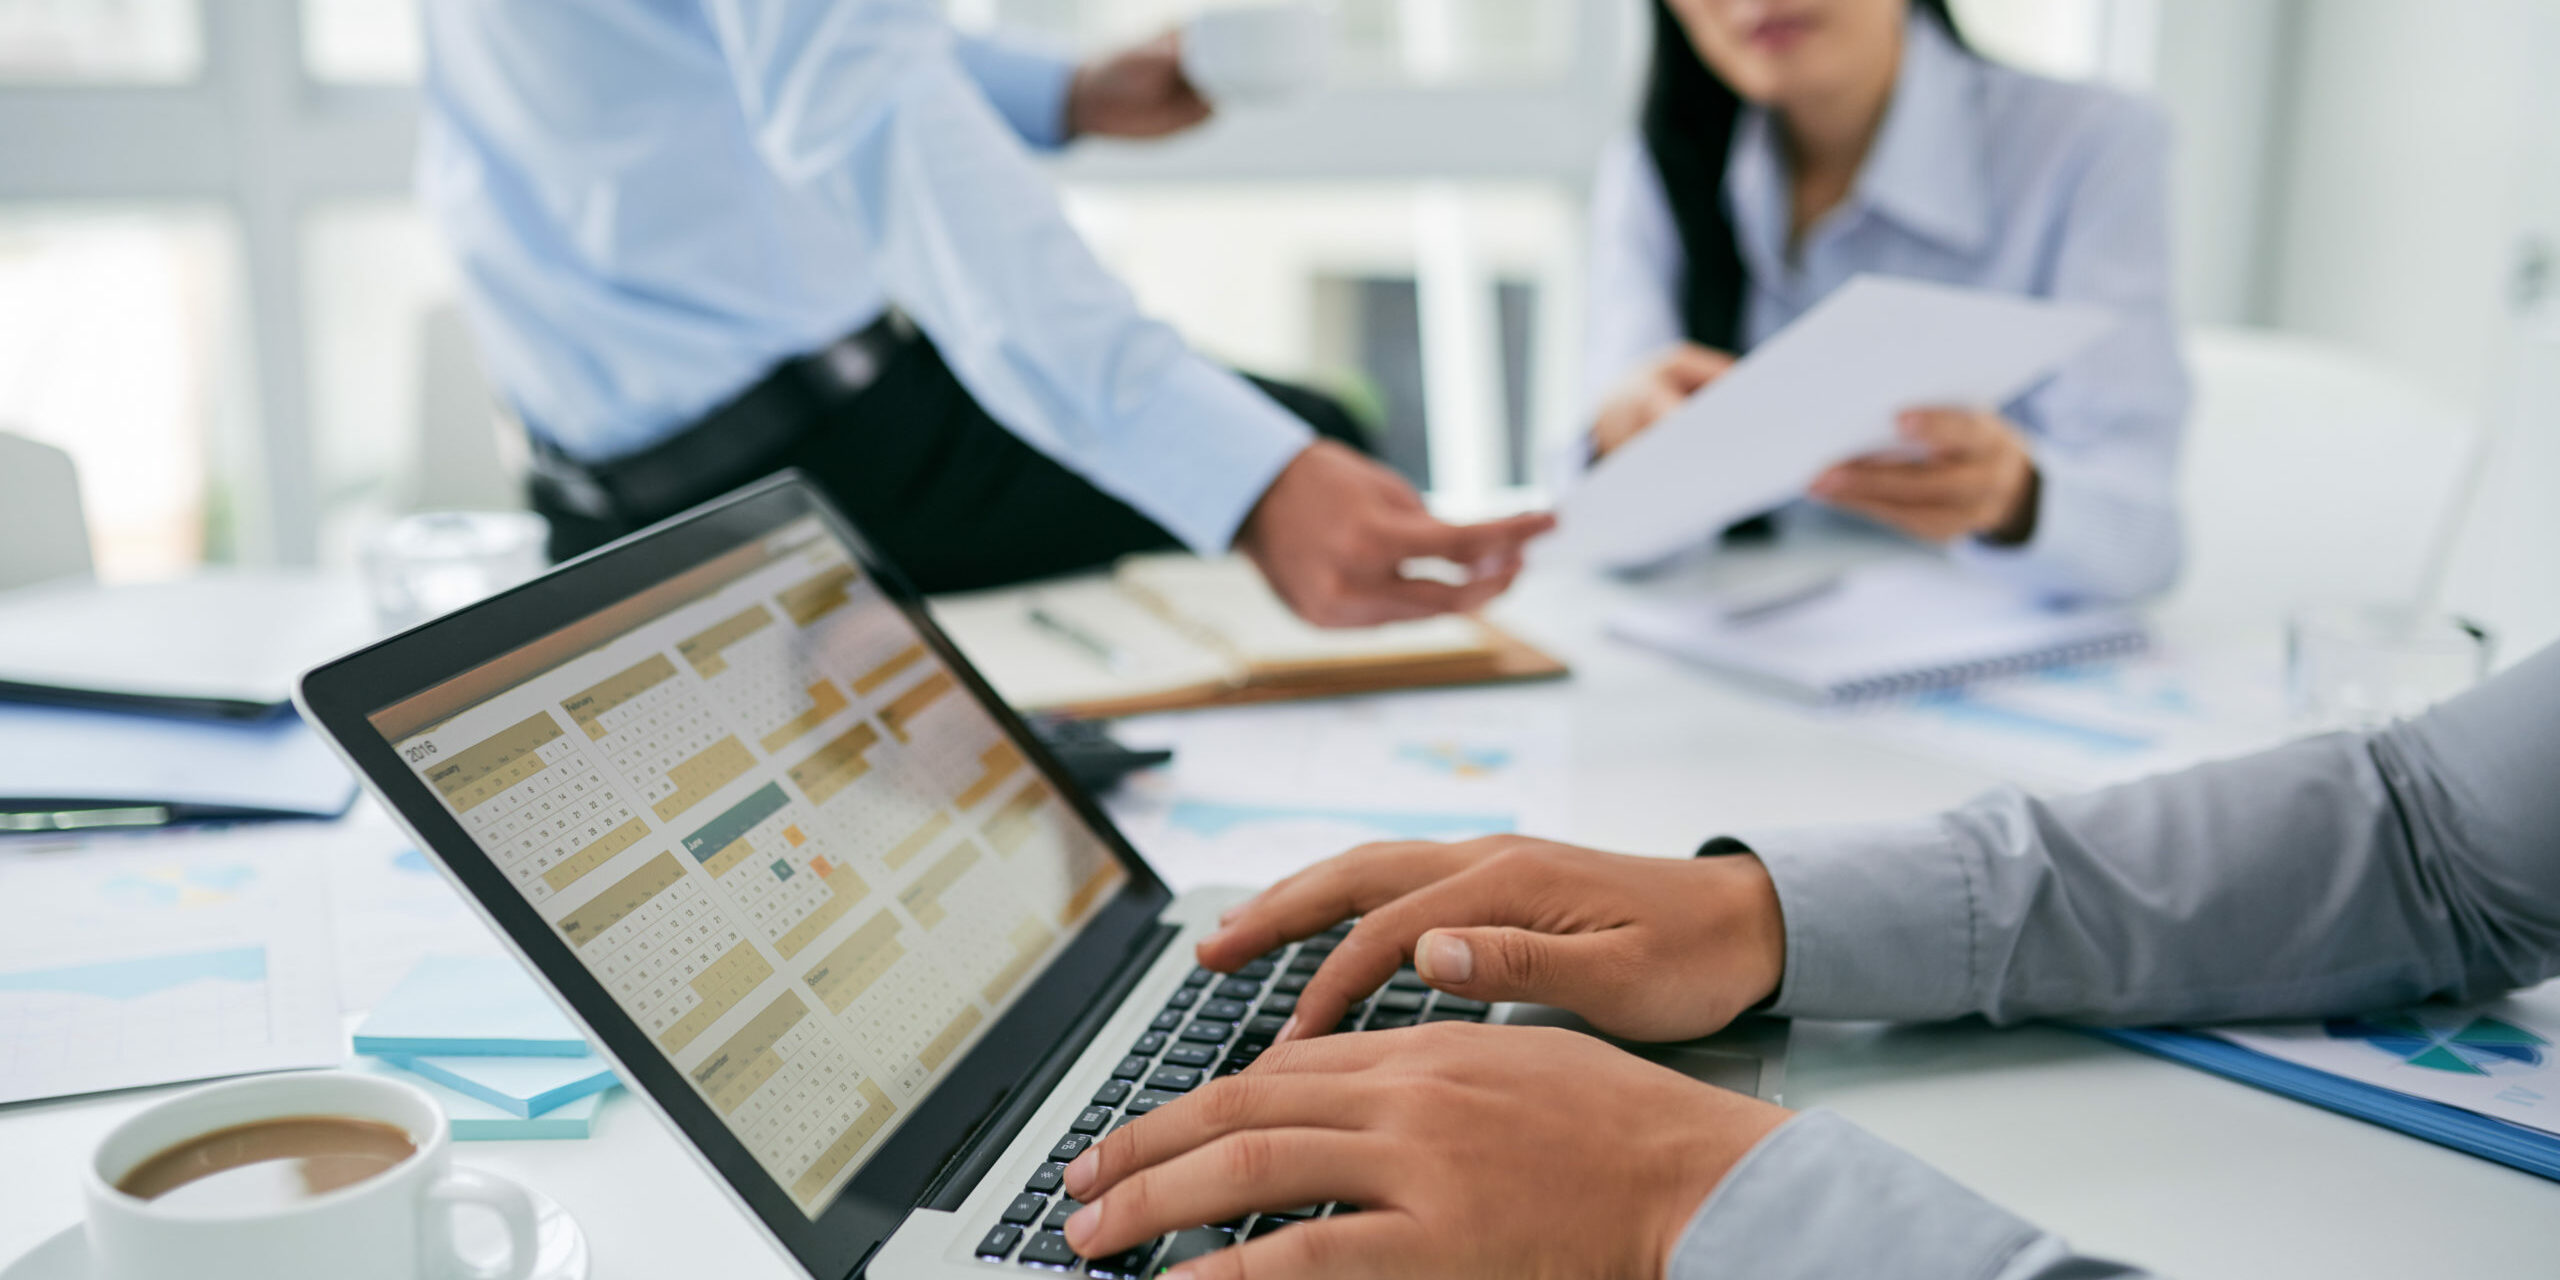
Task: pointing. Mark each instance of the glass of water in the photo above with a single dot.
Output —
(2361, 666)
(433, 563)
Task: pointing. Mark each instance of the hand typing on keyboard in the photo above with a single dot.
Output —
(1646, 948)
(1473, 1151)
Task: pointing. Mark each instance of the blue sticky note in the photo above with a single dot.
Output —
(518, 1086)
(475, 1121)
(476, 1006)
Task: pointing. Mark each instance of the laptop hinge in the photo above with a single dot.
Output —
(1011, 1110)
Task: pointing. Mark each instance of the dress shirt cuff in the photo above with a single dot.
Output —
(1879, 920)
(1820, 1197)
(1199, 453)
(2091, 542)
(1028, 89)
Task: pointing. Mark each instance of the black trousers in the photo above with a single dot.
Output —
(944, 491)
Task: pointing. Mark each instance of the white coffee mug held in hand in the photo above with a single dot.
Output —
(1255, 52)
(395, 1225)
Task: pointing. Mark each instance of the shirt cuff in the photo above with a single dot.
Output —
(2092, 542)
(1028, 89)
(1879, 918)
(1820, 1197)
(1198, 453)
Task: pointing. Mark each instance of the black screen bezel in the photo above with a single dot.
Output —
(340, 696)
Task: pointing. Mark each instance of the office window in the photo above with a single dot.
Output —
(116, 344)
(361, 41)
(1441, 312)
(89, 41)
(401, 419)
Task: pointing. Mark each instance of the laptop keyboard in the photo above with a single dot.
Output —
(1216, 1025)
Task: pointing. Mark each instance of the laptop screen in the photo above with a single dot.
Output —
(768, 819)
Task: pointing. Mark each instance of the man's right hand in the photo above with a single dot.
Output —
(1654, 390)
(1333, 531)
(1646, 948)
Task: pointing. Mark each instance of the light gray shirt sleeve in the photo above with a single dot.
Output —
(2345, 872)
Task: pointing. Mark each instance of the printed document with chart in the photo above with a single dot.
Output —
(773, 825)
(2496, 1058)
(148, 959)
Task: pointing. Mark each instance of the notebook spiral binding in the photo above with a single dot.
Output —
(1927, 679)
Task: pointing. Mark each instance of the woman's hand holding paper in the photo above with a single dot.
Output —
(1973, 477)
(1655, 390)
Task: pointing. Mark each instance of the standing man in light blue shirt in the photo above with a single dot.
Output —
(706, 239)
(1786, 149)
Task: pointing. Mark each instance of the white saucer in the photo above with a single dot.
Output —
(561, 1250)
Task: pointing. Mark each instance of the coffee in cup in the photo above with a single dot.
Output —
(326, 1175)
(267, 1165)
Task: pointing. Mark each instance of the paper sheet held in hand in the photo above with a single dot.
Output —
(1823, 390)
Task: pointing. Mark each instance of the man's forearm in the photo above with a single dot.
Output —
(2337, 873)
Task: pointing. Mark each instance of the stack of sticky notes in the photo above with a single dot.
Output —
(475, 1032)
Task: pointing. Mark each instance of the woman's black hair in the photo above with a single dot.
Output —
(1688, 121)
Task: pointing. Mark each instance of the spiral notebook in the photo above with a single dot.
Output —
(1886, 629)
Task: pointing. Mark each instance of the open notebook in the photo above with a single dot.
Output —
(1167, 632)
(1886, 629)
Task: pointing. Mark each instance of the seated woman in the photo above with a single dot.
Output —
(1786, 148)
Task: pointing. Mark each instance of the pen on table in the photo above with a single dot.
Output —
(1103, 651)
(1746, 607)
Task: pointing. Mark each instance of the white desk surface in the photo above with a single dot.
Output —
(2126, 1155)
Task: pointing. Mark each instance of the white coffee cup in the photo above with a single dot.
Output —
(1255, 52)
(395, 1225)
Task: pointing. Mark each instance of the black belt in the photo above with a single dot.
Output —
(740, 441)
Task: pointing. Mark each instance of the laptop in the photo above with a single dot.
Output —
(832, 910)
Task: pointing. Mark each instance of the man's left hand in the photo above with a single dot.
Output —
(1475, 1151)
(1139, 92)
(1975, 479)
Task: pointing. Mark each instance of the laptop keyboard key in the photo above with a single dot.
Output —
(1191, 1055)
(1390, 1019)
(1046, 1179)
(1049, 1249)
(1166, 1021)
(1024, 1210)
(1148, 1100)
(999, 1242)
(1124, 1266)
(1407, 980)
(1291, 983)
(1306, 962)
(1265, 1029)
(1319, 945)
(1461, 1004)
(1171, 1080)
(1257, 970)
(1069, 1147)
(1198, 1242)
(1402, 1001)
(1112, 1093)
(1200, 977)
(1091, 1120)
(1200, 1032)
(1182, 999)
(1240, 989)
(1223, 1010)
(1282, 1005)
(1059, 1213)
(1148, 1045)
(1130, 1068)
